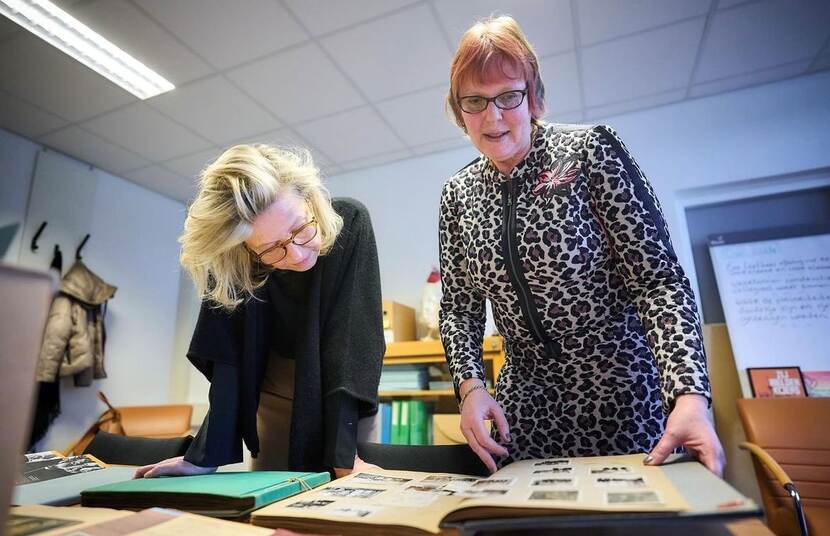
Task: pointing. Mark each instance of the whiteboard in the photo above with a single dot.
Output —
(776, 301)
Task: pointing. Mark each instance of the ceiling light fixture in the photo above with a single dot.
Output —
(68, 34)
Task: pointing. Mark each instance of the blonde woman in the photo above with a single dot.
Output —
(290, 331)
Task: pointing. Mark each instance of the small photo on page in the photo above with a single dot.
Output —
(555, 495)
(554, 471)
(633, 497)
(311, 504)
(380, 479)
(621, 481)
(558, 462)
(353, 493)
(563, 482)
(610, 470)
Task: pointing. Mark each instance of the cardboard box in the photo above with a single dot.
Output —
(398, 322)
(446, 429)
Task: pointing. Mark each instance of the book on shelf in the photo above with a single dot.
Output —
(26, 520)
(385, 422)
(54, 479)
(227, 495)
(376, 502)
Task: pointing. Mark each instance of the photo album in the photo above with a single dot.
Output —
(377, 502)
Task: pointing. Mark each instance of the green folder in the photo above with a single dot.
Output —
(226, 495)
(396, 422)
(417, 422)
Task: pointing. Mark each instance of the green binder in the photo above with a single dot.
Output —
(417, 422)
(226, 495)
(396, 422)
(404, 437)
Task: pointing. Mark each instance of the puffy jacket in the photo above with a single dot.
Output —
(73, 343)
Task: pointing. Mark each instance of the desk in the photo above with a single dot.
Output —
(744, 527)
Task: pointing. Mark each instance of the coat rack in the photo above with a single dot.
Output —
(80, 247)
(37, 235)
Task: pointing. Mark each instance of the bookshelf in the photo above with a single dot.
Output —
(425, 352)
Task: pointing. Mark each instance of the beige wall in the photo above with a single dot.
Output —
(726, 390)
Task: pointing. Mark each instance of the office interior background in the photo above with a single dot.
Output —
(725, 104)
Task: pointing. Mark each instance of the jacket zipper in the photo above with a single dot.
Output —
(511, 254)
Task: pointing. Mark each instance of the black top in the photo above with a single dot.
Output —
(338, 348)
(285, 286)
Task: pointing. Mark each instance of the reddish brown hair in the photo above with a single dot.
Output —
(496, 43)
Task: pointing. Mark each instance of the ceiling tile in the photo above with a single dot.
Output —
(298, 84)
(51, 80)
(642, 64)
(640, 103)
(146, 132)
(192, 165)
(25, 119)
(8, 27)
(216, 109)
(561, 78)
(443, 145)
(393, 55)
(761, 35)
(420, 117)
(547, 23)
(600, 20)
(164, 182)
(141, 37)
(378, 160)
(323, 17)
(228, 33)
(750, 79)
(351, 135)
(286, 137)
(89, 148)
(821, 64)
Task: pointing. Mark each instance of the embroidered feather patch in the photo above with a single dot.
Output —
(554, 180)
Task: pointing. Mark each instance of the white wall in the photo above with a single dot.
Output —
(18, 158)
(132, 246)
(765, 131)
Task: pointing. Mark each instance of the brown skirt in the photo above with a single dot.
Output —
(274, 415)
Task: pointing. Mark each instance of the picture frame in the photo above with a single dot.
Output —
(774, 382)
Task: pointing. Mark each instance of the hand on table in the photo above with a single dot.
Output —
(172, 467)
(359, 466)
(478, 406)
(689, 426)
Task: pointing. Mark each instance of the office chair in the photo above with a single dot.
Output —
(789, 439)
(129, 450)
(428, 458)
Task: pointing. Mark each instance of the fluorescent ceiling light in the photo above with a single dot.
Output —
(62, 30)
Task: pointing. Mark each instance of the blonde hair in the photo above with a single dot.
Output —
(243, 182)
(490, 44)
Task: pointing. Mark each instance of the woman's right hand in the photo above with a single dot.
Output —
(172, 467)
(478, 407)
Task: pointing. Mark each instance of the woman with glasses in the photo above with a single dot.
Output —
(559, 229)
(290, 331)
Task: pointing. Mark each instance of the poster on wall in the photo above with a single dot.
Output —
(775, 289)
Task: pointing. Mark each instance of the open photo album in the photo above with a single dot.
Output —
(416, 503)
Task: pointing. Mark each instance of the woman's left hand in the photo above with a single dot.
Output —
(689, 426)
(359, 466)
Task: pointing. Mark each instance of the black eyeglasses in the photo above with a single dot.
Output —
(279, 251)
(475, 104)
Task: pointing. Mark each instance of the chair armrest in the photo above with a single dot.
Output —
(776, 470)
(783, 478)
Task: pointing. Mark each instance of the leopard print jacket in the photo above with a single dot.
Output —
(600, 324)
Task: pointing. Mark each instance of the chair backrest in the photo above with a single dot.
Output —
(796, 433)
(428, 458)
(124, 450)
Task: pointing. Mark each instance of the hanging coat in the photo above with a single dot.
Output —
(73, 343)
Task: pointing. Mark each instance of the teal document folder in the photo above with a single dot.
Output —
(226, 495)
